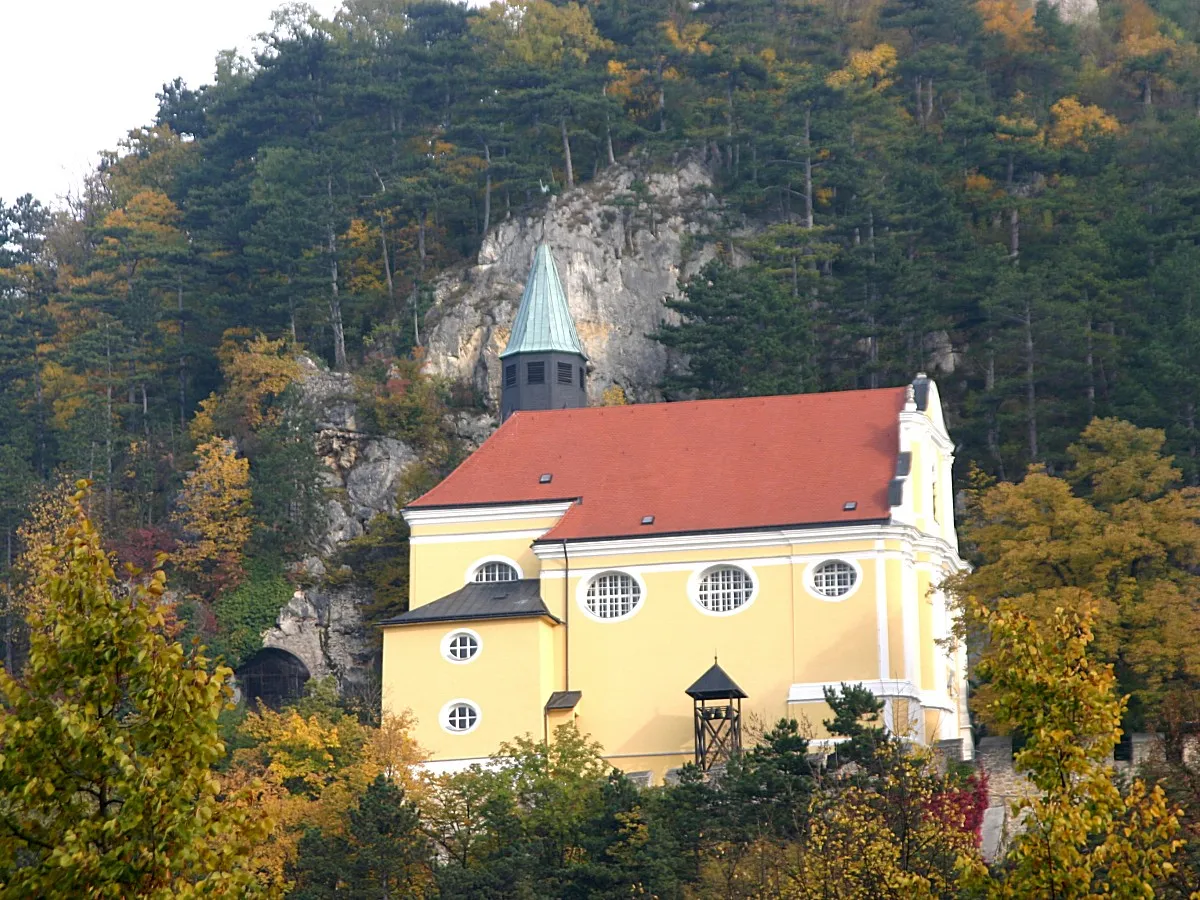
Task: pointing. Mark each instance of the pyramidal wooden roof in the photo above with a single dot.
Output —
(715, 684)
(543, 323)
(695, 466)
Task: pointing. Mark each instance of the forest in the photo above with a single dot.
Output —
(993, 191)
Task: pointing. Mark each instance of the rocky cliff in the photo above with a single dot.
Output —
(622, 243)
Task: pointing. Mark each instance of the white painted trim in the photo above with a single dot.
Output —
(911, 618)
(811, 568)
(882, 621)
(883, 689)
(757, 562)
(529, 534)
(444, 716)
(464, 515)
(484, 560)
(703, 569)
(445, 647)
(814, 691)
(731, 540)
(584, 583)
(453, 766)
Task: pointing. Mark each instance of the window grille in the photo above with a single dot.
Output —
(613, 595)
(834, 578)
(462, 647)
(725, 589)
(495, 571)
(510, 376)
(535, 373)
(564, 373)
(462, 717)
(582, 384)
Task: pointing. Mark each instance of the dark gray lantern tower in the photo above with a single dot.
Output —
(543, 366)
(717, 702)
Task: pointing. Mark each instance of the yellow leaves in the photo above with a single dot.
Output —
(1075, 123)
(214, 514)
(867, 68)
(614, 395)
(978, 183)
(687, 37)
(256, 370)
(537, 32)
(1011, 20)
(1019, 128)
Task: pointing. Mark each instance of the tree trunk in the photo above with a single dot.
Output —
(662, 98)
(920, 101)
(1030, 386)
(608, 147)
(335, 305)
(387, 263)
(993, 432)
(487, 189)
(1090, 392)
(1014, 234)
(808, 177)
(108, 430)
(335, 300)
(567, 153)
(182, 361)
(421, 228)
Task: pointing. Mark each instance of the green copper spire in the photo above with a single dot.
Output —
(543, 323)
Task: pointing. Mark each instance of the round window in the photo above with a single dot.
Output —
(612, 595)
(460, 716)
(460, 646)
(834, 578)
(491, 572)
(724, 590)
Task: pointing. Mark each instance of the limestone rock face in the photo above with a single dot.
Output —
(621, 245)
(323, 627)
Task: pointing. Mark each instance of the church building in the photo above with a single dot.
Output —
(665, 574)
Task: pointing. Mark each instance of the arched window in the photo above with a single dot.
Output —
(724, 589)
(460, 646)
(460, 716)
(612, 595)
(834, 578)
(495, 571)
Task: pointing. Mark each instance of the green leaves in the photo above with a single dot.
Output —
(106, 745)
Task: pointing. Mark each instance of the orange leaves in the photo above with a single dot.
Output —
(256, 371)
(1076, 123)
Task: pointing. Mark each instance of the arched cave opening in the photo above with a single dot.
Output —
(273, 676)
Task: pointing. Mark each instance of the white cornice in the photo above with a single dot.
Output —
(732, 540)
(470, 515)
(891, 689)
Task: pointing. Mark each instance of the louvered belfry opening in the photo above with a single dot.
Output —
(717, 709)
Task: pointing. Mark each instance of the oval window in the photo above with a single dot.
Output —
(834, 578)
(724, 590)
(612, 595)
(460, 646)
(460, 716)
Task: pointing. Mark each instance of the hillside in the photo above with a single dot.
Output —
(999, 193)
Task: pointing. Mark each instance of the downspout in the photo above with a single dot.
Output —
(566, 618)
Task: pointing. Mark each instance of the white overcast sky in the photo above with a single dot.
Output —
(76, 75)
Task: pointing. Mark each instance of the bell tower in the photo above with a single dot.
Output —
(543, 366)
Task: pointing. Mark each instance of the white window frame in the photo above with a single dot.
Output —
(585, 583)
(811, 570)
(699, 574)
(448, 639)
(483, 561)
(444, 716)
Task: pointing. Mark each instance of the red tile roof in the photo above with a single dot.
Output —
(705, 465)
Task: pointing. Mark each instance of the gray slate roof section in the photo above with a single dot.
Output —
(543, 323)
(715, 684)
(563, 700)
(472, 602)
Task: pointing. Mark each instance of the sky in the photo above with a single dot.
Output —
(77, 75)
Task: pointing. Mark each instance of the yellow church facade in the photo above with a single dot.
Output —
(587, 565)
